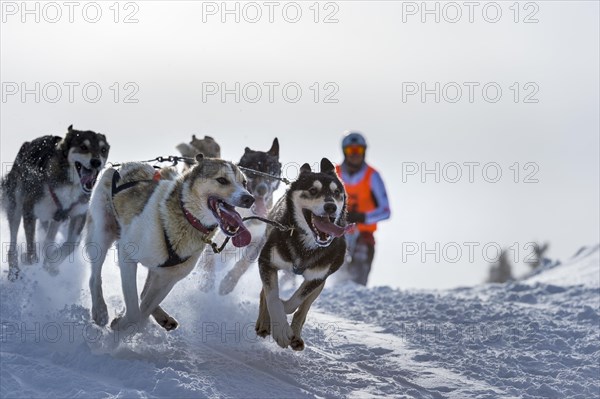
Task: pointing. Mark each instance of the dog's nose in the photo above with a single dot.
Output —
(247, 201)
(95, 163)
(261, 190)
(330, 208)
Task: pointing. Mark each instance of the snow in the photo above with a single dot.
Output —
(533, 338)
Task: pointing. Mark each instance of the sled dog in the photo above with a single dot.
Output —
(162, 221)
(314, 206)
(51, 180)
(206, 146)
(262, 188)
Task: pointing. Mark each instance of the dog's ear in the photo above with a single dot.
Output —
(199, 158)
(70, 128)
(64, 144)
(193, 137)
(305, 168)
(344, 212)
(274, 151)
(208, 138)
(247, 150)
(327, 166)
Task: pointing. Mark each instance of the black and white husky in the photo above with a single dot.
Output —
(163, 221)
(315, 208)
(262, 188)
(51, 180)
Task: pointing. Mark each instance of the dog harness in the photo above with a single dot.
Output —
(173, 258)
(62, 214)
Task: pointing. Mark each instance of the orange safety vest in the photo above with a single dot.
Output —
(360, 198)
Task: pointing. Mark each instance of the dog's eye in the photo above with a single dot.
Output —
(103, 150)
(83, 147)
(223, 181)
(245, 184)
(313, 191)
(337, 193)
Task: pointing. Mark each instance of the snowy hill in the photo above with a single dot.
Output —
(530, 339)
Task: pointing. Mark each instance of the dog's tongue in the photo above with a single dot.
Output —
(259, 207)
(323, 224)
(232, 218)
(242, 238)
(87, 179)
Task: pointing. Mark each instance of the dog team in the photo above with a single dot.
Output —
(172, 216)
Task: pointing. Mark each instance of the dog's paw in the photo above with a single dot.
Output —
(165, 321)
(227, 285)
(297, 343)
(51, 269)
(14, 273)
(100, 314)
(116, 323)
(30, 258)
(282, 334)
(169, 323)
(120, 323)
(262, 329)
(13, 259)
(262, 332)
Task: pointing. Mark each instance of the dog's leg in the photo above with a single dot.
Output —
(50, 252)
(280, 329)
(75, 227)
(157, 288)
(162, 318)
(51, 230)
(248, 258)
(128, 268)
(300, 295)
(61, 253)
(29, 224)
(207, 272)
(263, 323)
(297, 343)
(97, 242)
(14, 214)
(102, 230)
(45, 225)
(165, 320)
(233, 276)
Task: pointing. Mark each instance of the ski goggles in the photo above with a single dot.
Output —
(354, 150)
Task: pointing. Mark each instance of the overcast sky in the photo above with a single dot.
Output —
(495, 88)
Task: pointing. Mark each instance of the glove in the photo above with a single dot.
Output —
(355, 217)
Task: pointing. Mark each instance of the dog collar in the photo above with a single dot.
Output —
(194, 221)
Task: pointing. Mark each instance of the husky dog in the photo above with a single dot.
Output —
(51, 180)
(262, 188)
(206, 146)
(315, 208)
(163, 223)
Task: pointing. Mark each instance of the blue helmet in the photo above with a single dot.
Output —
(353, 138)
